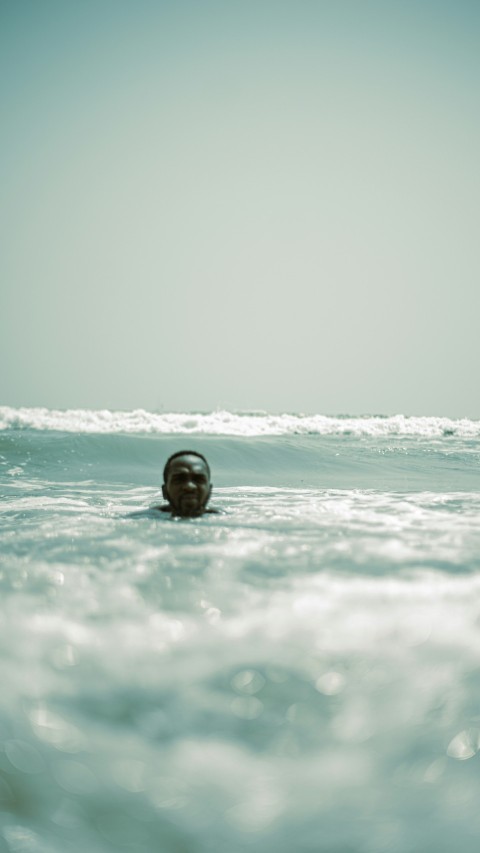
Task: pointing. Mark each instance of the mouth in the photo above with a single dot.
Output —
(189, 500)
(189, 506)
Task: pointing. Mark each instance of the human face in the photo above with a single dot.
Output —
(187, 487)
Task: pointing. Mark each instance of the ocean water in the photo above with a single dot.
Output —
(299, 673)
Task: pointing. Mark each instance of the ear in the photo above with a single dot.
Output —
(165, 493)
(209, 492)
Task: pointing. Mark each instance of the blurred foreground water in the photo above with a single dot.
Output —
(299, 673)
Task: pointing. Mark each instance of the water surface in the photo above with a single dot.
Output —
(300, 672)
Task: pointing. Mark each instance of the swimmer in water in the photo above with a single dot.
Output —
(186, 485)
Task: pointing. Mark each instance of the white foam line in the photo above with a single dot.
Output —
(231, 424)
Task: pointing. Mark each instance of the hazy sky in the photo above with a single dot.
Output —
(244, 204)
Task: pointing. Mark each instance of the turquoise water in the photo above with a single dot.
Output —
(298, 673)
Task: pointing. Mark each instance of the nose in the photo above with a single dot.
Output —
(189, 486)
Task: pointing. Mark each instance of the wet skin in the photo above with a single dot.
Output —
(187, 488)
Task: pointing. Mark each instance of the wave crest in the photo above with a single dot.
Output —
(226, 423)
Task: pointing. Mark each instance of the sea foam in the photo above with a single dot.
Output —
(232, 423)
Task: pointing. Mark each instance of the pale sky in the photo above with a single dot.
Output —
(242, 204)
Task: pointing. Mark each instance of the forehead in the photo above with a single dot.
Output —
(187, 463)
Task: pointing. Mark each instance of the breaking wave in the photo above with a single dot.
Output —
(232, 423)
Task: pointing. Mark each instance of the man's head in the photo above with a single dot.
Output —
(186, 483)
